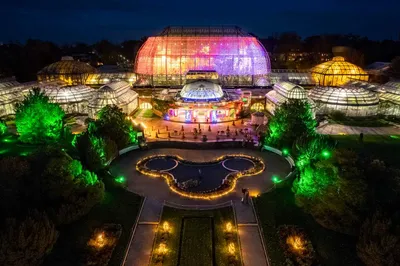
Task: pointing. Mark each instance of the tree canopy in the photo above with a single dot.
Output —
(25, 242)
(37, 119)
(294, 118)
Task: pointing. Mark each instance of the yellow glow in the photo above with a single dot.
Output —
(166, 227)
(99, 242)
(254, 193)
(229, 227)
(296, 243)
(162, 249)
(231, 248)
(143, 125)
(337, 72)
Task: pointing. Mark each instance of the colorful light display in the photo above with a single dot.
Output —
(168, 57)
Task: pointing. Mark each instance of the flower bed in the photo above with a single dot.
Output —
(297, 246)
(101, 245)
(226, 187)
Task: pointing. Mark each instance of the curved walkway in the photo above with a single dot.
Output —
(157, 192)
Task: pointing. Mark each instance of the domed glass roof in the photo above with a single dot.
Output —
(337, 72)
(115, 93)
(67, 66)
(68, 94)
(344, 96)
(201, 90)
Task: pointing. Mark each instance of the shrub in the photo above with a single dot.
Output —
(379, 241)
(338, 116)
(26, 242)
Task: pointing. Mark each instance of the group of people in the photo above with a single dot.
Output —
(245, 196)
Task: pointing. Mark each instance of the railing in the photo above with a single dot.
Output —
(198, 207)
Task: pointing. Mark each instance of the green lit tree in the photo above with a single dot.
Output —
(309, 149)
(26, 242)
(64, 185)
(95, 151)
(37, 119)
(291, 120)
(113, 124)
(3, 127)
(379, 241)
(334, 194)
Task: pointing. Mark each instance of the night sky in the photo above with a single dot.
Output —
(71, 21)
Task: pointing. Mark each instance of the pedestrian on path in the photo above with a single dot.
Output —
(246, 196)
(243, 194)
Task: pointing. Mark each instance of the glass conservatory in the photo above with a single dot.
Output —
(337, 72)
(204, 101)
(295, 76)
(68, 70)
(118, 93)
(239, 58)
(282, 92)
(72, 99)
(8, 98)
(350, 101)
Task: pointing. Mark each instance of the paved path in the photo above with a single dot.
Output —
(157, 191)
(335, 129)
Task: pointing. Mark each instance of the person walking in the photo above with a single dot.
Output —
(246, 196)
(243, 194)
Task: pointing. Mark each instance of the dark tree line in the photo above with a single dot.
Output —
(24, 60)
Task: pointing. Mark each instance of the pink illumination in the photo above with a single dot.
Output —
(173, 56)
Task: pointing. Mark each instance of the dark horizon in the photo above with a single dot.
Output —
(91, 21)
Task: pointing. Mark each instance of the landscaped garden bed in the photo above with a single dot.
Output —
(277, 208)
(119, 206)
(196, 237)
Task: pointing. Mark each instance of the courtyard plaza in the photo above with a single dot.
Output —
(157, 192)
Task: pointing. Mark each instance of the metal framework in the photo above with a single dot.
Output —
(239, 58)
(68, 70)
(351, 101)
(337, 72)
(116, 93)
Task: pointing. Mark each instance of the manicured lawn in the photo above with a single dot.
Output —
(191, 238)
(148, 114)
(277, 208)
(119, 207)
(361, 122)
(197, 243)
(9, 146)
(385, 148)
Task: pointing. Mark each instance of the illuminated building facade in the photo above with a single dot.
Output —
(118, 93)
(204, 101)
(68, 70)
(284, 91)
(351, 101)
(337, 72)
(237, 57)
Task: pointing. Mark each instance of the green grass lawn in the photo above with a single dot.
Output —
(385, 148)
(196, 236)
(9, 146)
(197, 243)
(361, 122)
(277, 208)
(148, 113)
(119, 206)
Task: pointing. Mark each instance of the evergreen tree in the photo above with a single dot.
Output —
(37, 119)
